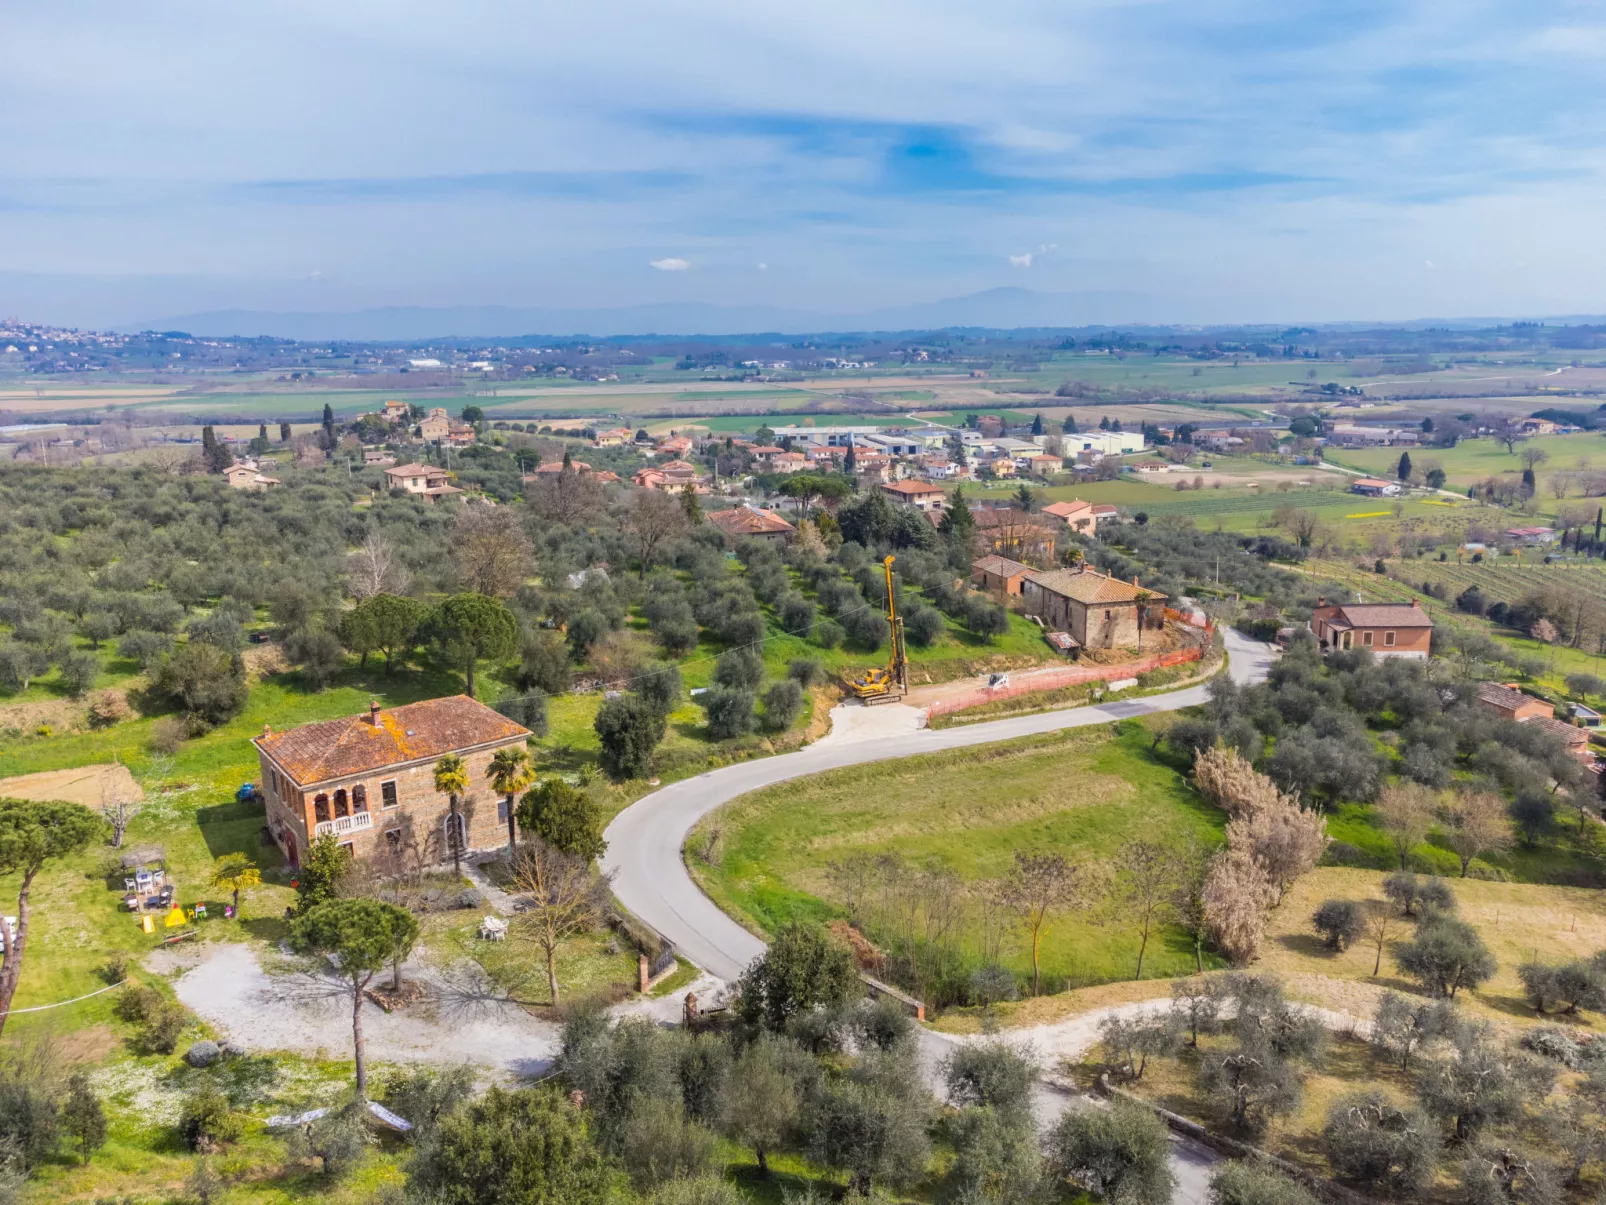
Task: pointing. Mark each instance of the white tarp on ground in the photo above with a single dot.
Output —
(284, 1121)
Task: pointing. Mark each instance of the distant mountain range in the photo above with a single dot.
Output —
(994, 309)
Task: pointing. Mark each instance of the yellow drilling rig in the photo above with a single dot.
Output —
(890, 683)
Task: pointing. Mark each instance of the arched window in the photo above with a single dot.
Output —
(359, 798)
(342, 808)
(320, 808)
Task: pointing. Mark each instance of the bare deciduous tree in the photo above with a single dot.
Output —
(1405, 811)
(1143, 891)
(1039, 887)
(569, 497)
(491, 550)
(563, 897)
(1476, 823)
(654, 518)
(374, 569)
(1380, 923)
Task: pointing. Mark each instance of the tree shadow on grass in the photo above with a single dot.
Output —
(272, 929)
(1307, 945)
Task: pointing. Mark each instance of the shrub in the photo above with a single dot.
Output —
(1379, 1145)
(629, 729)
(163, 1025)
(1339, 922)
(1554, 1042)
(206, 1122)
(586, 628)
(167, 734)
(543, 664)
(993, 984)
(137, 1002)
(339, 1140)
(729, 713)
(867, 628)
(782, 703)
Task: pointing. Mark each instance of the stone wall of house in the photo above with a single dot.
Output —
(418, 818)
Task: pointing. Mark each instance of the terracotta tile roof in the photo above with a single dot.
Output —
(1002, 566)
(989, 517)
(908, 487)
(1064, 510)
(1385, 615)
(1090, 587)
(1504, 697)
(415, 470)
(749, 521)
(1568, 733)
(316, 753)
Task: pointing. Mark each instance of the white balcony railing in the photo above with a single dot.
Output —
(345, 824)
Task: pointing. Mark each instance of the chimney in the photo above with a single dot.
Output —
(1321, 600)
(1416, 604)
(267, 730)
(373, 712)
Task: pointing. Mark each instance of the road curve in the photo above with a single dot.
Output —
(645, 840)
(650, 877)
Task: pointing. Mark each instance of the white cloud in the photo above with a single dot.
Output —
(763, 267)
(671, 264)
(1021, 261)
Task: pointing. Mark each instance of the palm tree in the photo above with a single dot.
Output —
(511, 772)
(451, 780)
(233, 872)
(1144, 597)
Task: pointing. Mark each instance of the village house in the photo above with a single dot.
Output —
(1388, 629)
(1075, 514)
(614, 437)
(245, 476)
(370, 780)
(436, 425)
(999, 575)
(752, 523)
(425, 480)
(788, 462)
(461, 435)
(921, 495)
(674, 446)
(396, 412)
(1531, 536)
(1510, 702)
(1098, 611)
(1014, 533)
(1374, 487)
(377, 458)
(674, 476)
(1043, 465)
(872, 467)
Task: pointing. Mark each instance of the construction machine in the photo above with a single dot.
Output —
(886, 684)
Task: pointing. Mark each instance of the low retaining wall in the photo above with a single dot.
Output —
(1334, 1194)
(1071, 675)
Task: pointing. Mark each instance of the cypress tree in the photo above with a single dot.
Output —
(1405, 466)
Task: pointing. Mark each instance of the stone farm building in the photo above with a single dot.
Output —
(370, 779)
(1100, 612)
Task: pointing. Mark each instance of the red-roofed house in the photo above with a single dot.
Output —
(370, 780)
(999, 575)
(921, 495)
(1100, 612)
(1388, 629)
(427, 481)
(1075, 514)
(752, 523)
(1511, 702)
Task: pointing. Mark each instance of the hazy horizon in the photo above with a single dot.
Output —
(1217, 162)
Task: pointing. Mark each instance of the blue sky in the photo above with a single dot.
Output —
(1230, 161)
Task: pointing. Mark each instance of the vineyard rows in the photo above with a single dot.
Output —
(1505, 583)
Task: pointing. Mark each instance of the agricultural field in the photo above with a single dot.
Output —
(767, 857)
(1472, 460)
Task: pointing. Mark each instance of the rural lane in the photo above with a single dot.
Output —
(651, 880)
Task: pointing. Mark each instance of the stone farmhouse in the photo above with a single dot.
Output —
(370, 780)
(1099, 611)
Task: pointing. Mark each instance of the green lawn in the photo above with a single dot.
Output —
(1472, 460)
(1081, 793)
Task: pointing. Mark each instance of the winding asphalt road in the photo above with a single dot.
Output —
(650, 877)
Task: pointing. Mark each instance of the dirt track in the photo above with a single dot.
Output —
(88, 785)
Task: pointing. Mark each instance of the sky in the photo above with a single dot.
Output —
(1227, 160)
